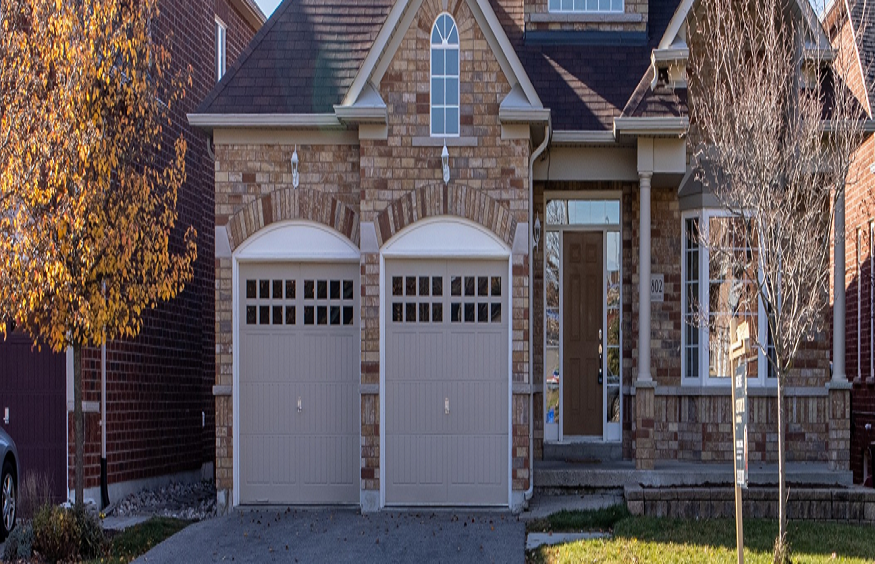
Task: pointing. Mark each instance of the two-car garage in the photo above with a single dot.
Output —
(445, 384)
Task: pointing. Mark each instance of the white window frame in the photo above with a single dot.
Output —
(859, 303)
(221, 48)
(704, 378)
(583, 7)
(431, 76)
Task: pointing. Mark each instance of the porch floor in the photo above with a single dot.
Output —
(610, 474)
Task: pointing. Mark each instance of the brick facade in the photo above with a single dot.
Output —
(859, 215)
(160, 410)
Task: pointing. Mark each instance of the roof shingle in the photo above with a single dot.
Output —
(302, 61)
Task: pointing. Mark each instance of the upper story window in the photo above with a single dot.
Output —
(584, 6)
(444, 77)
(717, 297)
(221, 32)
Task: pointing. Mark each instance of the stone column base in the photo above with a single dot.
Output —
(839, 425)
(645, 443)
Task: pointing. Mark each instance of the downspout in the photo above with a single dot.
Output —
(537, 153)
(104, 487)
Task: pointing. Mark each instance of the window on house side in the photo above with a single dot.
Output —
(719, 295)
(584, 6)
(444, 77)
(221, 32)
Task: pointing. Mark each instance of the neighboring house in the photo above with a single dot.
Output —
(390, 176)
(856, 36)
(160, 416)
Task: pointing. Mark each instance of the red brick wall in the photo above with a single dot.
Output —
(159, 385)
(859, 213)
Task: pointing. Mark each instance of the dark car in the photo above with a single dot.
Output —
(8, 484)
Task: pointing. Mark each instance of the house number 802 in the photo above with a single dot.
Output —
(657, 288)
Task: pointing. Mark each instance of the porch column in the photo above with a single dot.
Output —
(839, 411)
(645, 445)
(644, 281)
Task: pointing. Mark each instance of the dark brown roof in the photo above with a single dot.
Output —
(587, 86)
(662, 101)
(302, 61)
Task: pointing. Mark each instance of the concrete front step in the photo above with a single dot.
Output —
(551, 474)
(594, 451)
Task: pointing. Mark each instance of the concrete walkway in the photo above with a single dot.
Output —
(344, 535)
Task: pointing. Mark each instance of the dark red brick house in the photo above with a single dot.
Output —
(159, 406)
(852, 28)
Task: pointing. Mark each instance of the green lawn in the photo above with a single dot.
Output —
(671, 541)
(139, 539)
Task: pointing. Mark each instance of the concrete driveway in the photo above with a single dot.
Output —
(344, 535)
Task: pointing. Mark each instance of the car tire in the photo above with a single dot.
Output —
(8, 500)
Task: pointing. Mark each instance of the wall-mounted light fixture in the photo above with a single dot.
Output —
(536, 233)
(296, 179)
(445, 163)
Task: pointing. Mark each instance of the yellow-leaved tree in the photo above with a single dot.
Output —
(87, 201)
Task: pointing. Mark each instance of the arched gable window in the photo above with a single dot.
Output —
(444, 77)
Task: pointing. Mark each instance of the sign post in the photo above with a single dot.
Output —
(739, 350)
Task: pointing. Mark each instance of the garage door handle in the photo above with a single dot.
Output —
(300, 407)
(446, 406)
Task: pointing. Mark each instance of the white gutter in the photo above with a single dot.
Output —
(651, 125)
(537, 153)
(523, 115)
(211, 121)
(359, 114)
(583, 137)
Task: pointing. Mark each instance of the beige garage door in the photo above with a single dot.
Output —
(447, 379)
(298, 385)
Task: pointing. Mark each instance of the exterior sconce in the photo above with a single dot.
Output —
(296, 179)
(536, 234)
(445, 163)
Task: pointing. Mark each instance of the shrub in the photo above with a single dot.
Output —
(67, 535)
(34, 493)
(19, 544)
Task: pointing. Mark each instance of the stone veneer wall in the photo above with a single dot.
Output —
(852, 505)
(481, 163)
(390, 183)
(254, 189)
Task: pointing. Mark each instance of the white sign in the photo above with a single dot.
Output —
(657, 287)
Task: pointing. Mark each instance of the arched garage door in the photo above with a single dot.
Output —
(446, 393)
(298, 383)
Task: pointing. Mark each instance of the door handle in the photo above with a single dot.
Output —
(6, 416)
(300, 406)
(446, 406)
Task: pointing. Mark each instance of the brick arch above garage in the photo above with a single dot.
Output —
(440, 200)
(289, 203)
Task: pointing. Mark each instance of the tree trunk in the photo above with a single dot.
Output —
(78, 425)
(782, 486)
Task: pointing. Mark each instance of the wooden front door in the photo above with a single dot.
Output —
(582, 322)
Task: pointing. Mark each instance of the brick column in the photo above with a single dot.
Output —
(839, 426)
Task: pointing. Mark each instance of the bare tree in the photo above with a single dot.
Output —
(775, 131)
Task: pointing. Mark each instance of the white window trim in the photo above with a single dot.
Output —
(585, 11)
(458, 107)
(221, 48)
(704, 378)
